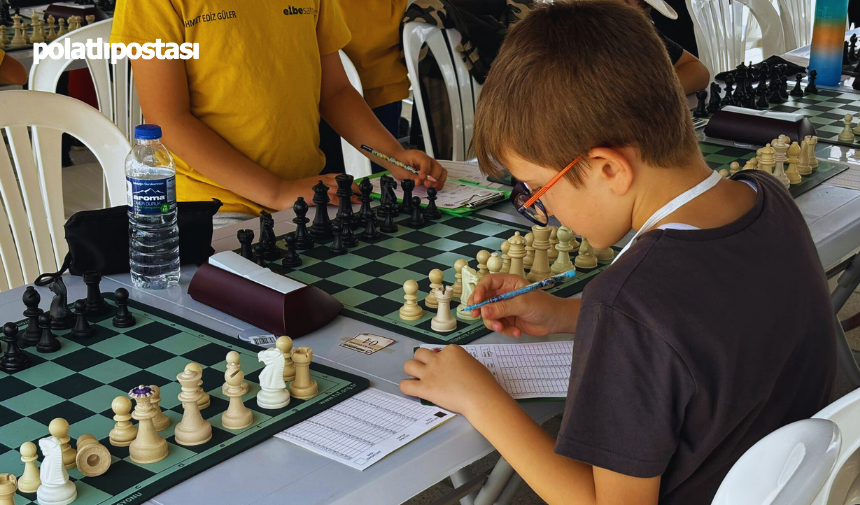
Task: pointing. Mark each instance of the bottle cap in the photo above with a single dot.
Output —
(147, 132)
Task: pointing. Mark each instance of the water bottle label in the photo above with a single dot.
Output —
(151, 196)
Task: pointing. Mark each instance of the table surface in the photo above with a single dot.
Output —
(277, 471)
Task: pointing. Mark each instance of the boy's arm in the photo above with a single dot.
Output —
(347, 112)
(453, 379)
(692, 73)
(162, 87)
(12, 71)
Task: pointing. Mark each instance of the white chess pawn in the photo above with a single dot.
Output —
(528, 261)
(813, 160)
(585, 259)
(237, 416)
(203, 399)
(38, 33)
(411, 311)
(494, 264)
(482, 257)
(3, 38)
(52, 33)
(435, 283)
(59, 429)
(734, 167)
(846, 135)
(724, 173)
(458, 277)
(233, 365)
(506, 260)
(29, 481)
(285, 345)
(443, 322)
(123, 432)
(90, 19)
(62, 31)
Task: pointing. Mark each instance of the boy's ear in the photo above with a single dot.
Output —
(611, 168)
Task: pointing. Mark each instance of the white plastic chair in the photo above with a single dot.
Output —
(115, 90)
(787, 467)
(355, 163)
(470, 89)
(843, 486)
(721, 32)
(796, 17)
(32, 239)
(415, 35)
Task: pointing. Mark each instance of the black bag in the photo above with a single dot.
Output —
(98, 239)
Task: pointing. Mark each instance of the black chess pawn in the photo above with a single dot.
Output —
(797, 91)
(701, 107)
(811, 88)
(123, 318)
(728, 98)
(15, 359)
(259, 256)
(48, 341)
(96, 305)
(741, 79)
(846, 58)
(714, 101)
(82, 328)
(246, 240)
(366, 211)
(337, 246)
(321, 227)
(431, 212)
(31, 300)
(762, 102)
(347, 236)
(388, 225)
(783, 88)
(416, 220)
(407, 185)
(292, 258)
(304, 241)
(370, 230)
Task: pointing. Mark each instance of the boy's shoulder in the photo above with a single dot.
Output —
(665, 264)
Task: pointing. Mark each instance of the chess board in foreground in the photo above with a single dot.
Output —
(826, 110)
(719, 157)
(369, 279)
(79, 381)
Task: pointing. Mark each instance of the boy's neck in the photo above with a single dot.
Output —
(657, 186)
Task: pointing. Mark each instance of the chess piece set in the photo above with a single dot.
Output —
(50, 481)
(41, 325)
(39, 31)
(772, 88)
(800, 158)
(545, 251)
(341, 229)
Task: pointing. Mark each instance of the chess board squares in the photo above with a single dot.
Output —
(96, 399)
(81, 359)
(32, 401)
(71, 386)
(152, 332)
(146, 357)
(382, 307)
(68, 410)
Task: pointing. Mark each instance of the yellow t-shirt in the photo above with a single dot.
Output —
(375, 48)
(256, 83)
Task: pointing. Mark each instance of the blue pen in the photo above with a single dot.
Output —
(549, 281)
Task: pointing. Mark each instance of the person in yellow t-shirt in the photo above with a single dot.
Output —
(242, 120)
(374, 49)
(11, 71)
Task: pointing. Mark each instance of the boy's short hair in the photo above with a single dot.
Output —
(576, 75)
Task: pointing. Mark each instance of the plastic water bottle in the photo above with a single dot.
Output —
(153, 233)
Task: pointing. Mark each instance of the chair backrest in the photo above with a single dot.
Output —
(416, 35)
(355, 163)
(721, 31)
(787, 467)
(114, 85)
(32, 207)
(796, 17)
(843, 486)
(470, 90)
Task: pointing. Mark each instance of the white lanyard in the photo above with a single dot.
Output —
(678, 202)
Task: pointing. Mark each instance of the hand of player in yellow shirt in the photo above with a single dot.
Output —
(431, 173)
(451, 379)
(537, 313)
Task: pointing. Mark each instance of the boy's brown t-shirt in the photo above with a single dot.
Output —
(696, 344)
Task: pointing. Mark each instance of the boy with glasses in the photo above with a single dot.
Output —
(711, 330)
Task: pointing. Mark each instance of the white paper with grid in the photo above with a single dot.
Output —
(540, 370)
(849, 179)
(363, 429)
